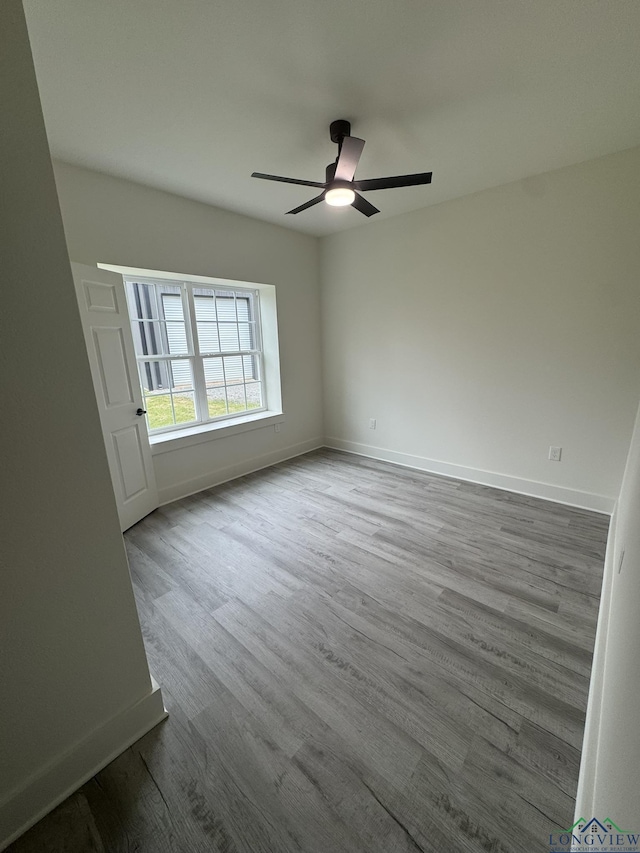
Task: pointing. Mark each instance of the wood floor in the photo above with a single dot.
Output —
(356, 657)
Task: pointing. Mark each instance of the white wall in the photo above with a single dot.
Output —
(610, 771)
(75, 686)
(480, 331)
(113, 221)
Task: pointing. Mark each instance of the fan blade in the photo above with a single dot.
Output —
(364, 206)
(286, 180)
(350, 152)
(307, 204)
(390, 183)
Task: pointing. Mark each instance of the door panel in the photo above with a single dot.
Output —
(105, 322)
(100, 297)
(129, 461)
(115, 384)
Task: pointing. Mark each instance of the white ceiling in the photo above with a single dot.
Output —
(191, 96)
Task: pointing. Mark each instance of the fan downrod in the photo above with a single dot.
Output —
(339, 129)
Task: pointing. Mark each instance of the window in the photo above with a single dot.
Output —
(199, 351)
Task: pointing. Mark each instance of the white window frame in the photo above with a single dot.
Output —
(195, 355)
(195, 432)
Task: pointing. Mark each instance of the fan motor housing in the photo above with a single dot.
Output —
(338, 129)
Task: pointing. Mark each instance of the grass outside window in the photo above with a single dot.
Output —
(160, 414)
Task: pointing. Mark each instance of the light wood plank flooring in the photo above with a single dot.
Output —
(355, 657)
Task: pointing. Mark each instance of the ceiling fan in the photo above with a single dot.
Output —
(339, 188)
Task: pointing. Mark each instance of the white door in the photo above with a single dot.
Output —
(107, 333)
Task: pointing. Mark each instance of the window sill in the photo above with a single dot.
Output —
(176, 440)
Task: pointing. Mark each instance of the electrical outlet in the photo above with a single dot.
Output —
(372, 423)
(555, 454)
(276, 427)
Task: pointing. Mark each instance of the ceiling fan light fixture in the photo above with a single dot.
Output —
(340, 196)
(339, 188)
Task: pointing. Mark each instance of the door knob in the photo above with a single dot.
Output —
(141, 412)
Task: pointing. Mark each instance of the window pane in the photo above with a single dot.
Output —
(228, 337)
(205, 304)
(158, 325)
(176, 339)
(142, 300)
(233, 372)
(154, 338)
(175, 331)
(226, 308)
(245, 332)
(224, 321)
(184, 407)
(155, 376)
(165, 410)
(171, 302)
(182, 374)
(242, 307)
(213, 373)
(217, 402)
(159, 411)
(236, 398)
(166, 375)
(161, 375)
(254, 395)
(147, 338)
(208, 337)
(251, 365)
(168, 392)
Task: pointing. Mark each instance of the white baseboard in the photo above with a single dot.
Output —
(59, 779)
(231, 472)
(546, 491)
(585, 796)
